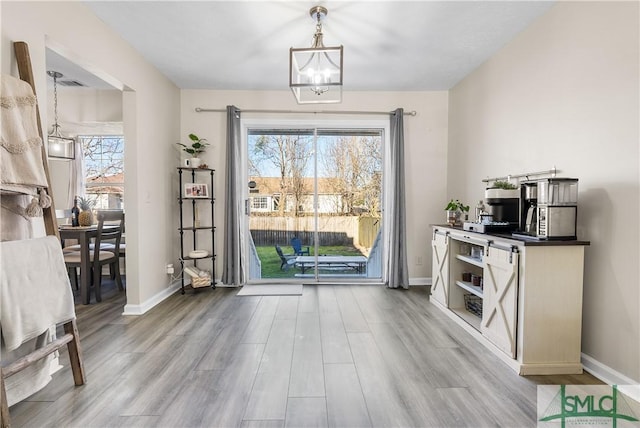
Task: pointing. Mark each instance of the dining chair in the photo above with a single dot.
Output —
(99, 254)
(108, 246)
(63, 217)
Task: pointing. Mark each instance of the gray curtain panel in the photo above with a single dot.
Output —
(232, 268)
(397, 267)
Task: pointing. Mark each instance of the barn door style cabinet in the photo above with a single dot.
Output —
(197, 227)
(521, 299)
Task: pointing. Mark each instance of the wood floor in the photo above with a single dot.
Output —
(339, 356)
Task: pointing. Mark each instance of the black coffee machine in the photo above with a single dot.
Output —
(505, 206)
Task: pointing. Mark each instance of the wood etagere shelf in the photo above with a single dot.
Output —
(196, 231)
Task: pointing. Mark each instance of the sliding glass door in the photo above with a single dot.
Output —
(314, 203)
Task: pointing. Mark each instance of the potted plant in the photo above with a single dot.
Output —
(454, 210)
(197, 146)
(501, 189)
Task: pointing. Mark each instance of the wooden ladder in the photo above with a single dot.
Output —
(71, 338)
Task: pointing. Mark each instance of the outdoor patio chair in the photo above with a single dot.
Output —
(287, 260)
(296, 243)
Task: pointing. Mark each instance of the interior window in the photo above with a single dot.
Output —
(104, 169)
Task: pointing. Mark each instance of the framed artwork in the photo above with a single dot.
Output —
(196, 190)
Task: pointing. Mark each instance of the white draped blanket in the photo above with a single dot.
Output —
(21, 166)
(34, 289)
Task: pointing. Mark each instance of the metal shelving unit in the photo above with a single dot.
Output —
(189, 205)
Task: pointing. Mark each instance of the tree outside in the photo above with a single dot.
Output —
(349, 166)
(104, 169)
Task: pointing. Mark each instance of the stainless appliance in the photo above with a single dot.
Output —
(503, 218)
(549, 208)
(528, 206)
(504, 205)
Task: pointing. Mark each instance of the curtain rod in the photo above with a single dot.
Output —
(212, 110)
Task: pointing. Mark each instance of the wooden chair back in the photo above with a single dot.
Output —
(110, 224)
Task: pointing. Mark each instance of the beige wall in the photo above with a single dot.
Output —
(565, 93)
(151, 120)
(425, 150)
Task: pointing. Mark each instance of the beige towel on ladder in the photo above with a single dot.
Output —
(21, 163)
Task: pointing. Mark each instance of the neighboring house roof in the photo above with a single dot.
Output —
(95, 184)
(271, 185)
(115, 178)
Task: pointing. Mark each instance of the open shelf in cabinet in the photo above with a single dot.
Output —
(467, 260)
(473, 289)
(471, 260)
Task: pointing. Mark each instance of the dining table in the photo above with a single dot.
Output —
(84, 236)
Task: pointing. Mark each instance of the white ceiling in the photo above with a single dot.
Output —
(388, 45)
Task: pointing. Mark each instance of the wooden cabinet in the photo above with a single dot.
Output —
(521, 299)
(197, 227)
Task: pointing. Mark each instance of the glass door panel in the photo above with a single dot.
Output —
(315, 198)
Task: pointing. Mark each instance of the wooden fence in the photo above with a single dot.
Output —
(332, 230)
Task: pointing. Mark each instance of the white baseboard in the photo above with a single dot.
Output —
(153, 301)
(159, 297)
(419, 281)
(628, 386)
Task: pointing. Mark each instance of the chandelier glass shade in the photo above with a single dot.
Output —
(57, 145)
(315, 73)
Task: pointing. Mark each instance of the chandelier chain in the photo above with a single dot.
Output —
(55, 100)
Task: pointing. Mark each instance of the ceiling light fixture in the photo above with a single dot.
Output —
(315, 73)
(58, 146)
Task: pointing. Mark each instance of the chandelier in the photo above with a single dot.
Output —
(315, 73)
(58, 146)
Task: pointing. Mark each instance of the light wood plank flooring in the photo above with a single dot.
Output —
(337, 356)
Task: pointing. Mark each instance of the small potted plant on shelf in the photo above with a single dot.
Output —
(197, 146)
(454, 210)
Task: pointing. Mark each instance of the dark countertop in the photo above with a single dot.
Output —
(514, 240)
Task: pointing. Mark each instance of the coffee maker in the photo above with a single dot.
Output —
(503, 204)
(549, 208)
(528, 207)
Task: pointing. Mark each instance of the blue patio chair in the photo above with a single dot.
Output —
(296, 243)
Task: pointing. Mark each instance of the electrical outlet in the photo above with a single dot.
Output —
(419, 261)
(170, 269)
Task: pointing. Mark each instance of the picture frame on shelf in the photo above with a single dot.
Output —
(196, 190)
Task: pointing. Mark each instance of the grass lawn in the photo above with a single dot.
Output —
(271, 261)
